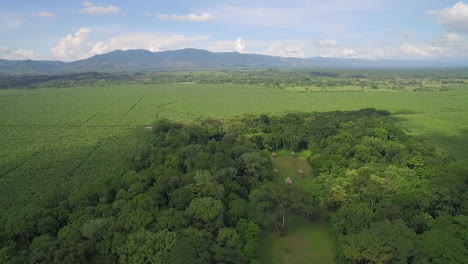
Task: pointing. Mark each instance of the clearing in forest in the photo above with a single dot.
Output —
(305, 241)
(288, 167)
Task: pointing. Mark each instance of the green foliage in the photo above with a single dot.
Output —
(146, 247)
(62, 81)
(206, 212)
(440, 246)
(383, 242)
(273, 202)
(169, 208)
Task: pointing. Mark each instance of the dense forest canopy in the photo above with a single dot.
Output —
(202, 191)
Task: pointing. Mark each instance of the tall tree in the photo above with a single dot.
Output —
(273, 202)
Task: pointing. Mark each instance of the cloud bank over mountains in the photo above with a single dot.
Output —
(86, 41)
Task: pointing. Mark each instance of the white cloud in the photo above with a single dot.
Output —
(77, 46)
(413, 50)
(240, 45)
(90, 8)
(20, 54)
(190, 17)
(100, 48)
(449, 45)
(451, 38)
(45, 14)
(350, 53)
(286, 50)
(342, 53)
(73, 46)
(455, 18)
(327, 43)
(149, 41)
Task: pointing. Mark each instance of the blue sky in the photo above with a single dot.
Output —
(371, 29)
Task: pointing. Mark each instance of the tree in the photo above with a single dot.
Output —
(206, 212)
(190, 248)
(384, 242)
(440, 247)
(41, 249)
(351, 219)
(255, 168)
(206, 186)
(171, 219)
(272, 202)
(366, 248)
(227, 247)
(249, 233)
(237, 209)
(144, 247)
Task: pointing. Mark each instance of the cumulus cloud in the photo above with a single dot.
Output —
(92, 9)
(286, 50)
(342, 53)
(327, 43)
(73, 46)
(330, 48)
(350, 53)
(240, 45)
(78, 46)
(45, 14)
(413, 50)
(451, 38)
(20, 54)
(190, 17)
(454, 18)
(449, 45)
(149, 41)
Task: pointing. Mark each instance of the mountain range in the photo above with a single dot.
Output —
(188, 59)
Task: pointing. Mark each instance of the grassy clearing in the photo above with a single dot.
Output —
(305, 242)
(288, 167)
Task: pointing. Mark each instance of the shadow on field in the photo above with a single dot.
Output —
(452, 145)
(455, 143)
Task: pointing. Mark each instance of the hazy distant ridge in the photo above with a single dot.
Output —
(144, 60)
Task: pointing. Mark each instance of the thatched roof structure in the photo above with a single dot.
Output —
(274, 155)
(293, 154)
(275, 170)
(301, 171)
(288, 181)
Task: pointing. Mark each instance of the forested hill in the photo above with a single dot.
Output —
(144, 60)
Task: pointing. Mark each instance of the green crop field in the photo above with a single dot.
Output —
(51, 137)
